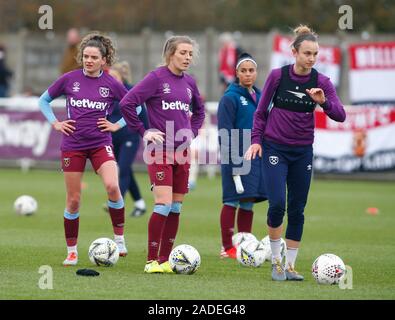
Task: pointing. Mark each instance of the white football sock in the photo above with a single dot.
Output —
(140, 204)
(118, 237)
(275, 245)
(291, 257)
(71, 249)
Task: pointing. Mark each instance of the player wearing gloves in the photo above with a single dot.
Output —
(242, 184)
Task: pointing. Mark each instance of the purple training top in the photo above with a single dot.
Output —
(169, 98)
(288, 127)
(87, 100)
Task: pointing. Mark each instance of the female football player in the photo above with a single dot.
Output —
(170, 94)
(235, 114)
(126, 143)
(86, 134)
(283, 134)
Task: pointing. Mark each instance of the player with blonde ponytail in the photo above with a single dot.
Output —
(176, 113)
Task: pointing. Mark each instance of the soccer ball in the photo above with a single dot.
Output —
(251, 253)
(103, 252)
(328, 269)
(184, 259)
(240, 237)
(25, 205)
(268, 251)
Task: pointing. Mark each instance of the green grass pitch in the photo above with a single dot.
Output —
(336, 222)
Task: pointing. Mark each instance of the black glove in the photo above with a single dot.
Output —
(87, 272)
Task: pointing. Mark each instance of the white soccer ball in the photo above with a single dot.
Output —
(25, 205)
(184, 259)
(251, 253)
(103, 252)
(268, 251)
(240, 237)
(328, 269)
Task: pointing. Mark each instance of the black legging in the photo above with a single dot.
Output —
(125, 153)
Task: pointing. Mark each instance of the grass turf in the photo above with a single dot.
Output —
(336, 222)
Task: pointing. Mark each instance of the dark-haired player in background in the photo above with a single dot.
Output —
(126, 143)
(235, 115)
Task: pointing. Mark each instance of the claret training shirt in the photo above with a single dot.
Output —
(87, 100)
(169, 99)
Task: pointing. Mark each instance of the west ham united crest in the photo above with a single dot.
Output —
(160, 175)
(66, 162)
(189, 92)
(273, 160)
(243, 101)
(104, 92)
(76, 86)
(166, 88)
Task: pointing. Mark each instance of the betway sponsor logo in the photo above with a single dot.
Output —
(30, 134)
(178, 105)
(86, 103)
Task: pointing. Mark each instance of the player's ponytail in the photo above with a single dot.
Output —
(302, 33)
(100, 41)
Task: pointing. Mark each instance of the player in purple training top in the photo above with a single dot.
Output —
(169, 94)
(284, 128)
(90, 97)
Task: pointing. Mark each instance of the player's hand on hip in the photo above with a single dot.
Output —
(317, 94)
(106, 125)
(154, 136)
(65, 127)
(253, 150)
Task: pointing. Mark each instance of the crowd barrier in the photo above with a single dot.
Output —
(363, 143)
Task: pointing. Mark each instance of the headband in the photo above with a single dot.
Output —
(246, 59)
